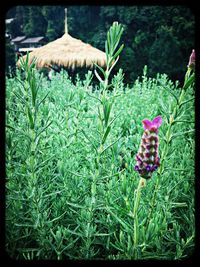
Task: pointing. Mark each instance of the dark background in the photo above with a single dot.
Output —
(161, 37)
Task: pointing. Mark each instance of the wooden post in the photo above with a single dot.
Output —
(66, 28)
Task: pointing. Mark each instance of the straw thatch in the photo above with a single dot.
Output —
(67, 52)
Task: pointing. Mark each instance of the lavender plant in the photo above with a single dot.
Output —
(174, 117)
(27, 155)
(106, 102)
(147, 162)
(71, 188)
(104, 126)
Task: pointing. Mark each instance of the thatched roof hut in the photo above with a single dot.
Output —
(67, 52)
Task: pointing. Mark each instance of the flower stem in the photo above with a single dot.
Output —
(135, 215)
(165, 149)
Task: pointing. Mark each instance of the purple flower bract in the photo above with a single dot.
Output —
(147, 157)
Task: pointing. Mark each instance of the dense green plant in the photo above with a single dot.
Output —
(71, 188)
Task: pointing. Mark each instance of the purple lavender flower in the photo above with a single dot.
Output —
(191, 63)
(147, 157)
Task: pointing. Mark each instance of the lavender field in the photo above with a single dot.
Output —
(101, 171)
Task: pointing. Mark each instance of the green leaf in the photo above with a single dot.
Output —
(20, 98)
(101, 69)
(94, 97)
(34, 90)
(44, 128)
(172, 93)
(178, 205)
(184, 121)
(163, 108)
(106, 50)
(111, 144)
(186, 101)
(98, 77)
(27, 59)
(103, 234)
(114, 119)
(107, 109)
(57, 218)
(117, 247)
(121, 221)
(189, 81)
(113, 64)
(75, 205)
(89, 139)
(19, 131)
(117, 37)
(109, 43)
(106, 134)
(42, 100)
(118, 51)
(30, 118)
(182, 133)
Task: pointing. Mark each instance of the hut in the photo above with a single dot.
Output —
(32, 43)
(67, 52)
(16, 41)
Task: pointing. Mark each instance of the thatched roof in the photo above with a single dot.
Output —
(68, 52)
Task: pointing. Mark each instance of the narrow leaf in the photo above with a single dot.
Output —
(106, 134)
(189, 81)
(98, 77)
(113, 64)
(42, 99)
(118, 51)
(111, 144)
(182, 133)
(121, 221)
(101, 69)
(186, 101)
(44, 128)
(30, 118)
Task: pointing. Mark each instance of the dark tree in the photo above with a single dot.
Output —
(37, 23)
(161, 37)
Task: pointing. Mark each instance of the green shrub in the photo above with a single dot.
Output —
(70, 179)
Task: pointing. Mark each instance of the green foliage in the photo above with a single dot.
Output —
(50, 34)
(71, 186)
(37, 24)
(167, 47)
(54, 15)
(59, 205)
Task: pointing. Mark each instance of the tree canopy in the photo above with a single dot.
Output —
(161, 37)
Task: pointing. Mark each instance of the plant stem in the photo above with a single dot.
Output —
(135, 215)
(111, 44)
(165, 149)
(160, 170)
